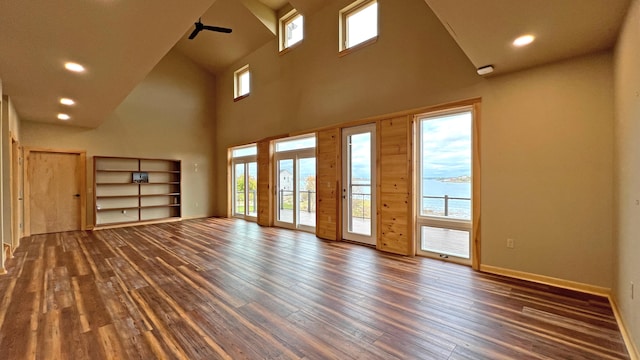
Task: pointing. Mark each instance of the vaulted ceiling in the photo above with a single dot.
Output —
(120, 41)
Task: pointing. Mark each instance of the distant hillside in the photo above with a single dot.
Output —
(457, 179)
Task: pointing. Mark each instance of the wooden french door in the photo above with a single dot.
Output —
(54, 191)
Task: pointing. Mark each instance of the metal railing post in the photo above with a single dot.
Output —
(446, 205)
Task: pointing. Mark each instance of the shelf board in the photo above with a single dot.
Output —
(127, 183)
(141, 222)
(137, 207)
(119, 208)
(161, 183)
(149, 183)
(116, 170)
(159, 206)
(167, 194)
(133, 196)
(147, 171)
(116, 196)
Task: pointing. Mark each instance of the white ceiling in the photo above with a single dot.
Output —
(120, 41)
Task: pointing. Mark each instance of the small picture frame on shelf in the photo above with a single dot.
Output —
(140, 177)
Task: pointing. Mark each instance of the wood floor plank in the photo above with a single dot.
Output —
(230, 289)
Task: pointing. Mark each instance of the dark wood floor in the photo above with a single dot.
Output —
(222, 288)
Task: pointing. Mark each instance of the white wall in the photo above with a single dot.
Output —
(546, 133)
(627, 171)
(170, 115)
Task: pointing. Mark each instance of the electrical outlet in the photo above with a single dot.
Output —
(510, 243)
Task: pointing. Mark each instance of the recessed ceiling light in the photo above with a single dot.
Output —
(63, 116)
(67, 101)
(523, 40)
(75, 67)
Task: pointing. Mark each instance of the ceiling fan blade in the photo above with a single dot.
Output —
(194, 33)
(218, 29)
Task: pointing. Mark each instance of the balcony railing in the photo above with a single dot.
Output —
(460, 211)
(240, 203)
(361, 203)
(307, 200)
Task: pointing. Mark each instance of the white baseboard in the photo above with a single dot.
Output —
(571, 285)
(631, 346)
(548, 280)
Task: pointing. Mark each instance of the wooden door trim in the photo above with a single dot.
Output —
(82, 180)
(14, 176)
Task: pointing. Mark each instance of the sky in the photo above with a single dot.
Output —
(445, 148)
(446, 145)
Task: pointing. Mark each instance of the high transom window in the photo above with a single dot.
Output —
(358, 23)
(291, 29)
(242, 82)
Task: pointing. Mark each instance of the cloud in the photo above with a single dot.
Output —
(446, 145)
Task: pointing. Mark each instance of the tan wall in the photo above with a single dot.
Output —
(546, 134)
(547, 153)
(170, 114)
(2, 199)
(627, 171)
(312, 86)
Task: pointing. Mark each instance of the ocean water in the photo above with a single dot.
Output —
(460, 209)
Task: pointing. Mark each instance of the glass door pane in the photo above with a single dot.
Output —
(251, 191)
(444, 218)
(286, 191)
(358, 191)
(238, 194)
(307, 192)
(296, 190)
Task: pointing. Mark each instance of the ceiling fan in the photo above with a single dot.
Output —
(200, 26)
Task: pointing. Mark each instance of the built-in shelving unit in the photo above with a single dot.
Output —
(134, 190)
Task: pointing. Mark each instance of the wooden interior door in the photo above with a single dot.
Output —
(54, 191)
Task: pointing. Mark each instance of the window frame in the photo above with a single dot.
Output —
(345, 13)
(245, 161)
(294, 154)
(285, 20)
(437, 221)
(237, 83)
